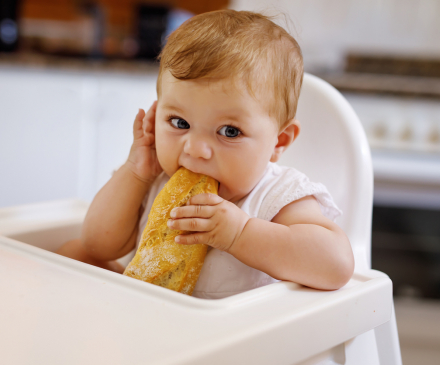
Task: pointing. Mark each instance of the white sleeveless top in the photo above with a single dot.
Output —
(222, 274)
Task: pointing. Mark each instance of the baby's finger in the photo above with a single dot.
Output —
(193, 239)
(196, 211)
(150, 118)
(191, 224)
(204, 199)
(137, 124)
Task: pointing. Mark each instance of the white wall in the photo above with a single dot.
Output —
(62, 133)
(327, 29)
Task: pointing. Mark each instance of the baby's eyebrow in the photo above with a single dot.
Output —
(167, 106)
(232, 117)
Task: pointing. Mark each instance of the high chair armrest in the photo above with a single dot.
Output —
(38, 216)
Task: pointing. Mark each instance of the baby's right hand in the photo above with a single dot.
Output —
(142, 159)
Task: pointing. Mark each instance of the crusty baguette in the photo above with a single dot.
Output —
(159, 260)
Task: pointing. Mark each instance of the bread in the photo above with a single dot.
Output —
(159, 260)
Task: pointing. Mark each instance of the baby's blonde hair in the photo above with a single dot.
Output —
(238, 44)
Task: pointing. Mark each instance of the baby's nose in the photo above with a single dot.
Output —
(197, 148)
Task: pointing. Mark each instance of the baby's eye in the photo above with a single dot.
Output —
(229, 131)
(179, 123)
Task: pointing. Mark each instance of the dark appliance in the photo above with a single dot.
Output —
(152, 24)
(8, 25)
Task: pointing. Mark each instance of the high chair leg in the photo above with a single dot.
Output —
(388, 342)
(362, 350)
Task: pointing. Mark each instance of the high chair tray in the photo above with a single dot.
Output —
(54, 310)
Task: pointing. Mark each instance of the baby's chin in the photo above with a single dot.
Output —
(225, 193)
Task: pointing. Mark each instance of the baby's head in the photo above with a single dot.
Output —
(228, 90)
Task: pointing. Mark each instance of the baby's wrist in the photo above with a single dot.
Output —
(237, 244)
(143, 179)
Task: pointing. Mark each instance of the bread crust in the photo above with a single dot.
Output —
(159, 259)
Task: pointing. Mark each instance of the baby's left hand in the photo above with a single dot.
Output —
(217, 222)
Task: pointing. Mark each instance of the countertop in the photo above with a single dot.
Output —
(370, 83)
(44, 62)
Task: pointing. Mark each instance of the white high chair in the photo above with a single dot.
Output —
(54, 310)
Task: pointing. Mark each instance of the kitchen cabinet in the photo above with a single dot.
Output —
(63, 132)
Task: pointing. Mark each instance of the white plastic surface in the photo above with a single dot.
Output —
(64, 311)
(54, 310)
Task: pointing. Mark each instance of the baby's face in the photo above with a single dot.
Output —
(212, 128)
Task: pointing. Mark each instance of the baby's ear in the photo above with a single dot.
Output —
(285, 137)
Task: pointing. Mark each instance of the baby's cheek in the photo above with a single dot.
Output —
(167, 161)
(247, 174)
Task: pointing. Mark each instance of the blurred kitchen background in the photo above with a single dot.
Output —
(73, 74)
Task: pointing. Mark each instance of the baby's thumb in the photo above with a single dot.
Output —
(150, 118)
(137, 125)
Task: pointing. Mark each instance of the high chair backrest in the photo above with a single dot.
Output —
(332, 148)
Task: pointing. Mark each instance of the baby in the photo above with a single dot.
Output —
(227, 93)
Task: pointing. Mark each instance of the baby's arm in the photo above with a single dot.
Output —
(299, 245)
(111, 224)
